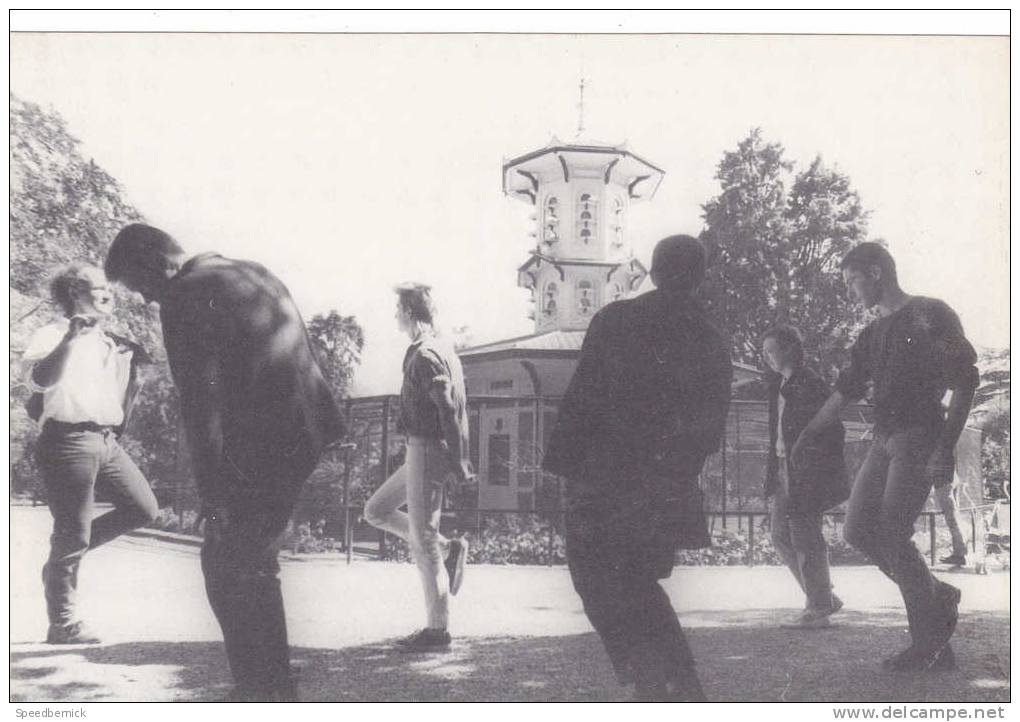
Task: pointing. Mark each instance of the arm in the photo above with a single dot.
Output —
(956, 359)
(195, 365)
(49, 370)
(441, 394)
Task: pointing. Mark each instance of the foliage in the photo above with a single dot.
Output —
(778, 237)
(337, 342)
(995, 452)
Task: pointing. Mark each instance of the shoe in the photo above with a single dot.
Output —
(947, 604)
(943, 660)
(909, 658)
(956, 560)
(73, 633)
(917, 659)
(454, 564)
(425, 640)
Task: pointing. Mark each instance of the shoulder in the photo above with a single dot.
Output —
(934, 311)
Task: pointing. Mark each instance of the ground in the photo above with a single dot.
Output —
(520, 633)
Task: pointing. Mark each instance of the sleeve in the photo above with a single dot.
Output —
(567, 445)
(430, 370)
(954, 356)
(853, 380)
(39, 347)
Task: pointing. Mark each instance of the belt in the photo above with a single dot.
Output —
(63, 427)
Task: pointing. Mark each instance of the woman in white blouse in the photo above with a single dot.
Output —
(81, 377)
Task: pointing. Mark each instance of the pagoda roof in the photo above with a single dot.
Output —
(521, 175)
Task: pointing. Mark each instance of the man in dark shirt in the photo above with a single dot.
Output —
(911, 355)
(646, 406)
(258, 414)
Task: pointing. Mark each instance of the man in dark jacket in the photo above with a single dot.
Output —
(802, 493)
(911, 355)
(258, 414)
(646, 406)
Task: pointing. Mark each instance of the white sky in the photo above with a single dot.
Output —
(349, 163)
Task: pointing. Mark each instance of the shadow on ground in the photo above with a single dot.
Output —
(742, 657)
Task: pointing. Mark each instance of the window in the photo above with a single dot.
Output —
(616, 223)
(551, 221)
(615, 292)
(549, 299)
(501, 385)
(587, 219)
(525, 449)
(585, 298)
(499, 460)
(525, 501)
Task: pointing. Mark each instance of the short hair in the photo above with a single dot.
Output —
(416, 299)
(678, 262)
(864, 256)
(789, 339)
(139, 246)
(68, 282)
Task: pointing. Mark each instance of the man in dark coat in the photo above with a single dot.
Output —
(258, 414)
(802, 493)
(646, 406)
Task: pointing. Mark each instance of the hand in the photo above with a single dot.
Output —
(461, 473)
(78, 325)
(940, 467)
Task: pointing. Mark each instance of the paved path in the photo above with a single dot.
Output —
(521, 633)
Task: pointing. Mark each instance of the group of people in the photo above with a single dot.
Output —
(645, 408)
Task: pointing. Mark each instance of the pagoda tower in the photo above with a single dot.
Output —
(582, 257)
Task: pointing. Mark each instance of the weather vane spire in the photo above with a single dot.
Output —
(580, 108)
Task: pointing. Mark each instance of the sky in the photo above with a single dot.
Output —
(350, 163)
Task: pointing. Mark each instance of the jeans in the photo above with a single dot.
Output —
(798, 539)
(887, 497)
(945, 496)
(241, 568)
(73, 463)
(419, 483)
(615, 554)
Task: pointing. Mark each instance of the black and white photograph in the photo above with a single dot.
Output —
(617, 357)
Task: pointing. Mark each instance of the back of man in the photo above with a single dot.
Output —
(277, 410)
(240, 356)
(646, 405)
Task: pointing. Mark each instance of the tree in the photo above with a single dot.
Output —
(337, 342)
(774, 241)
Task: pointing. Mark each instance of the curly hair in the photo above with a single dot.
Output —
(790, 341)
(69, 282)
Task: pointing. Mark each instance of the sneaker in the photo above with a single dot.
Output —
(916, 659)
(425, 640)
(455, 564)
(73, 633)
(947, 601)
(956, 560)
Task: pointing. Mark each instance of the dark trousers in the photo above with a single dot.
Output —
(73, 463)
(888, 494)
(616, 555)
(798, 538)
(241, 568)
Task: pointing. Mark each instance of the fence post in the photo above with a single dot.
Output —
(973, 533)
(552, 535)
(931, 533)
(750, 538)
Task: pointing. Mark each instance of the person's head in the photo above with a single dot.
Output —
(82, 290)
(783, 348)
(869, 271)
(416, 312)
(678, 264)
(143, 258)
